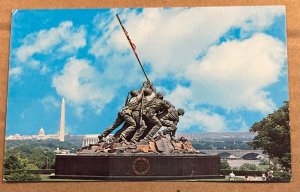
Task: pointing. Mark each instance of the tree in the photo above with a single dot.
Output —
(248, 167)
(264, 162)
(16, 165)
(273, 135)
(22, 176)
(225, 164)
(13, 162)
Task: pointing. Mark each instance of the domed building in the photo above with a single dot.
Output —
(42, 134)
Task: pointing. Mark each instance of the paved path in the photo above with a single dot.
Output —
(251, 178)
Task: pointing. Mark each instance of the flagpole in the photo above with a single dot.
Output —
(132, 47)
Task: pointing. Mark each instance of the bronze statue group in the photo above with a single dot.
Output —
(144, 114)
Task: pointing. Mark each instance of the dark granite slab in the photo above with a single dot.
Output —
(137, 166)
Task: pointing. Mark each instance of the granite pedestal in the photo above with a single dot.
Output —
(137, 166)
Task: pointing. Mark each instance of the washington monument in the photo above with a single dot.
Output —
(62, 121)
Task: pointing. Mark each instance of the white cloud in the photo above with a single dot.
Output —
(170, 39)
(202, 119)
(234, 74)
(180, 97)
(81, 84)
(63, 39)
(15, 72)
(49, 102)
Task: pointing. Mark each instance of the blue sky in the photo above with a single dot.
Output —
(226, 66)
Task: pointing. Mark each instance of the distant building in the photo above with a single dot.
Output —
(61, 151)
(18, 137)
(89, 139)
(41, 134)
(92, 139)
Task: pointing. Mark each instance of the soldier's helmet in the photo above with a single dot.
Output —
(134, 93)
(160, 95)
(180, 111)
(147, 91)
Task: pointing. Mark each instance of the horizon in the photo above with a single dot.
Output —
(204, 132)
(226, 66)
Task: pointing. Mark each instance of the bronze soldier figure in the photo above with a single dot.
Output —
(125, 115)
(170, 121)
(161, 95)
(127, 132)
(152, 109)
(139, 113)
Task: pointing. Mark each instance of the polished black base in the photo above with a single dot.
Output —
(137, 167)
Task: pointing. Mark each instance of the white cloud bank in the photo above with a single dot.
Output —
(233, 75)
(81, 84)
(65, 39)
(171, 39)
(182, 97)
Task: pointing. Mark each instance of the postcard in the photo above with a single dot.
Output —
(142, 94)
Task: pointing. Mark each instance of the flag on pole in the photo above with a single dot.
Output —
(133, 47)
(130, 41)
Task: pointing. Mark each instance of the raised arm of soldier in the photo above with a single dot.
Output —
(140, 95)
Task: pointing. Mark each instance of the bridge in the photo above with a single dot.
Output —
(236, 154)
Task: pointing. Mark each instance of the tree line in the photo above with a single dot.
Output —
(21, 156)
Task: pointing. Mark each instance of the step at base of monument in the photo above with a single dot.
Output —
(136, 178)
(137, 167)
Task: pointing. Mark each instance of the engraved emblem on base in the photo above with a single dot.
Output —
(141, 166)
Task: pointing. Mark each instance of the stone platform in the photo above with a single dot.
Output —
(138, 166)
